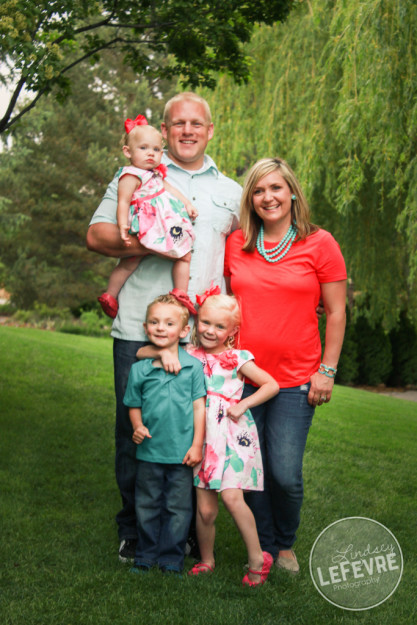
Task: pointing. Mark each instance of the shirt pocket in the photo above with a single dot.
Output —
(224, 211)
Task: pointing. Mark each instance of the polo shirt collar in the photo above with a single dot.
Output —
(208, 165)
(149, 369)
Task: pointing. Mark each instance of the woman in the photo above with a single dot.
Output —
(279, 265)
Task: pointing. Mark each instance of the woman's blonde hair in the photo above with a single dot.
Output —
(250, 222)
(228, 303)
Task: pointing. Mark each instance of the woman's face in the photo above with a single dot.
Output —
(272, 199)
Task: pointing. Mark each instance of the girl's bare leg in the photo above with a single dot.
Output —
(245, 522)
(121, 273)
(207, 509)
(181, 272)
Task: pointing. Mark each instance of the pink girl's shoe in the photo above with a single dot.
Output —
(201, 568)
(266, 567)
(109, 305)
(184, 299)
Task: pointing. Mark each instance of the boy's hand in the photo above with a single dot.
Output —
(236, 411)
(140, 434)
(124, 234)
(170, 362)
(193, 456)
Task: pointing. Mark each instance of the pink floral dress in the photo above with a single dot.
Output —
(231, 456)
(157, 217)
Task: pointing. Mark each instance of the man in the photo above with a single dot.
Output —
(187, 129)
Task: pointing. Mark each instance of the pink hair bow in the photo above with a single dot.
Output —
(213, 290)
(132, 123)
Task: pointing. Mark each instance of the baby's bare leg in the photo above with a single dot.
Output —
(121, 273)
(181, 272)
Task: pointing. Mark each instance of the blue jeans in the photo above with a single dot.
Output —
(163, 511)
(124, 356)
(283, 423)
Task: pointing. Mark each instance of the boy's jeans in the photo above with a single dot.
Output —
(163, 504)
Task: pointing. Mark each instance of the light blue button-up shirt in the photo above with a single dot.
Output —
(217, 200)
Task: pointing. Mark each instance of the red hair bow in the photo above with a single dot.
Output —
(132, 123)
(213, 290)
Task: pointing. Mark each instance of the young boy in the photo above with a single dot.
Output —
(167, 412)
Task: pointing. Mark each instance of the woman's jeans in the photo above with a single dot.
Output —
(283, 423)
(124, 355)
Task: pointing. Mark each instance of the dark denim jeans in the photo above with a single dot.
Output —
(124, 355)
(163, 512)
(283, 423)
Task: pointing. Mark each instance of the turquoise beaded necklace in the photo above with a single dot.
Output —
(277, 253)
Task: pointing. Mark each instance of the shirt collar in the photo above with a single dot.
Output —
(183, 357)
(209, 164)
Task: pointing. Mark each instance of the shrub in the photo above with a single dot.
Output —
(404, 353)
(374, 353)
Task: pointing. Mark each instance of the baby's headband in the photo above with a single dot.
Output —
(132, 123)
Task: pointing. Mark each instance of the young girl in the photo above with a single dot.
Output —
(149, 207)
(231, 458)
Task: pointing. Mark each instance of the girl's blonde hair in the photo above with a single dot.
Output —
(137, 130)
(250, 222)
(170, 299)
(227, 303)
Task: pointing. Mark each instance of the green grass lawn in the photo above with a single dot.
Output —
(58, 537)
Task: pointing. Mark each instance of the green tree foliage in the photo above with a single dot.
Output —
(334, 92)
(54, 175)
(41, 41)
(374, 353)
(404, 353)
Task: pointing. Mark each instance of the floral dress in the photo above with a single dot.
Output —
(157, 217)
(231, 456)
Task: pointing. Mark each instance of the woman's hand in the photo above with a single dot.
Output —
(320, 390)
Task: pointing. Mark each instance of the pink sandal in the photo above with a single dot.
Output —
(266, 567)
(184, 299)
(201, 568)
(109, 304)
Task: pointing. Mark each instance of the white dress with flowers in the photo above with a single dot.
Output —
(231, 456)
(157, 217)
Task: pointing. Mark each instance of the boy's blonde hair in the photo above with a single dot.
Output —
(170, 299)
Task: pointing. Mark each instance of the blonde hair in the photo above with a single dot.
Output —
(137, 130)
(186, 96)
(170, 299)
(250, 222)
(229, 304)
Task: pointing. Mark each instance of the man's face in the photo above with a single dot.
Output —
(187, 134)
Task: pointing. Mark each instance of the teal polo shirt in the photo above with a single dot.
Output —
(166, 401)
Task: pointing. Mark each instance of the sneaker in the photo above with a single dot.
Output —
(127, 550)
(192, 549)
(288, 564)
(140, 569)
